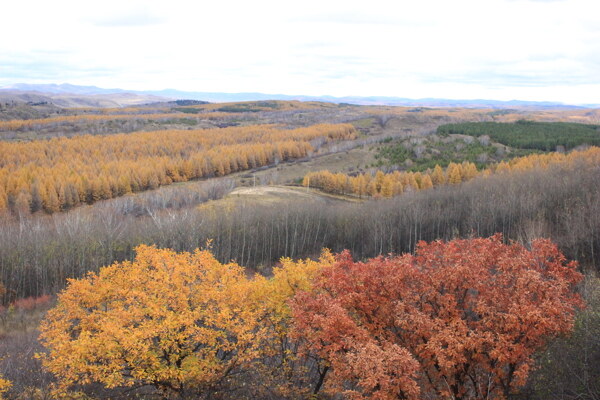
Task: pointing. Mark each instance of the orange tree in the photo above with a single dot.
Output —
(175, 321)
(458, 319)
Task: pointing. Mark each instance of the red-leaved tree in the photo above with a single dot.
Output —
(457, 320)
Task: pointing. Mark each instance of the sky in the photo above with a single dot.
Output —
(542, 50)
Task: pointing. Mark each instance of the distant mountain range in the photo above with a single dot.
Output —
(130, 97)
(66, 95)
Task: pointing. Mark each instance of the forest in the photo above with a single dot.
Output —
(530, 134)
(420, 154)
(62, 173)
(290, 250)
(395, 183)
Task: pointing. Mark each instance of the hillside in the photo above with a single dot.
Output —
(220, 97)
(77, 100)
(83, 188)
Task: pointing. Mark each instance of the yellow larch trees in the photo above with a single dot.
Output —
(395, 183)
(454, 174)
(437, 176)
(3, 200)
(426, 182)
(93, 168)
(502, 168)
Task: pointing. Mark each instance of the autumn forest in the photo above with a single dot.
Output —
(299, 250)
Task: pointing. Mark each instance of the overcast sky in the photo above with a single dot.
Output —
(461, 49)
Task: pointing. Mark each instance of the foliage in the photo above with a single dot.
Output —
(238, 109)
(4, 386)
(38, 253)
(61, 173)
(181, 121)
(396, 183)
(391, 184)
(397, 154)
(18, 124)
(251, 106)
(459, 319)
(181, 322)
(187, 110)
(529, 134)
(185, 102)
(420, 154)
(263, 105)
(176, 321)
(281, 368)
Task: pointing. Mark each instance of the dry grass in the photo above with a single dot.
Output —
(269, 195)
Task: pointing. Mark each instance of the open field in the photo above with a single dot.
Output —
(267, 195)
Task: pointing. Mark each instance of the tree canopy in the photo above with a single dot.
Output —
(458, 319)
(176, 321)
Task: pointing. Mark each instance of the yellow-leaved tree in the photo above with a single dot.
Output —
(4, 386)
(284, 372)
(176, 321)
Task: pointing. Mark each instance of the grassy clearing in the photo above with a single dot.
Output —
(271, 195)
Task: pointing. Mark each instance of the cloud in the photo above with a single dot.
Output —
(349, 18)
(47, 65)
(427, 48)
(542, 1)
(131, 18)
